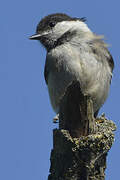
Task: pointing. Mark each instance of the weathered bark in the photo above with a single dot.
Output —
(81, 143)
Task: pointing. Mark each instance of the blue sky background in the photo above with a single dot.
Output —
(25, 111)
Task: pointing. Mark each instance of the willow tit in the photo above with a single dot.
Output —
(74, 52)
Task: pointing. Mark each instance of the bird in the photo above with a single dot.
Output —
(74, 53)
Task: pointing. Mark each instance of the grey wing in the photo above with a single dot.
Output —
(99, 48)
(110, 61)
(101, 53)
(46, 71)
(48, 67)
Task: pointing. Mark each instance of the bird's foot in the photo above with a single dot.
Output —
(56, 119)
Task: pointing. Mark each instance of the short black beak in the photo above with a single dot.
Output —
(35, 37)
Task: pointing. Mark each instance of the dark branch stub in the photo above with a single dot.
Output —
(76, 112)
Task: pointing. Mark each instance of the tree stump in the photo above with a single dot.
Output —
(81, 144)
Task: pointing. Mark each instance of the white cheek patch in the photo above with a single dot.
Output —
(64, 26)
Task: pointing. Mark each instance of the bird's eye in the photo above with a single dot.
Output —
(52, 24)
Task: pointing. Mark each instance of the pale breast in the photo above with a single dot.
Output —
(69, 64)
